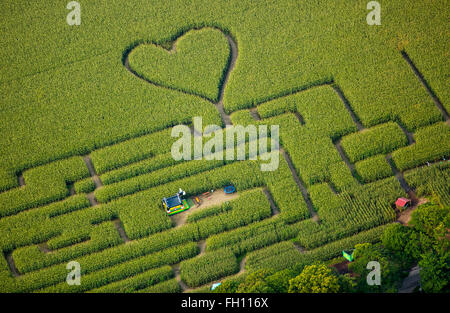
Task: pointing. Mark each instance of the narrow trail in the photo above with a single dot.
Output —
(412, 281)
(227, 120)
(344, 157)
(202, 246)
(21, 180)
(405, 216)
(43, 247)
(409, 135)
(176, 271)
(233, 57)
(401, 180)
(98, 183)
(275, 210)
(12, 266)
(302, 187)
(333, 189)
(300, 249)
(255, 115)
(95, 178)
(341, 95)
(241, 271)
(430, 91)
(118, 225)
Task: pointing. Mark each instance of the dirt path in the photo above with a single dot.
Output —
(233, 57)
(11, 264)
(355, 119)
(118, 224)
(275, 210)
(241, 271)
(303, 189)
(401, 179)
(411, 282)
(21, 180)
(405, 216)
(202, 246)
(176, 270)
(98, 183)
(344, 158)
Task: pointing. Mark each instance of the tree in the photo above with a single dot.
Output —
(431, 223)
(228, 286)
(391, 269)
(280, 280)
(346, 283)
(256, 282)
(395, 237)
(426, 242)
(428, 218)
(434, 273)
(316, 278)
(403, 242)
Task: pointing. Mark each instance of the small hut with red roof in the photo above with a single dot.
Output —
(402, 203)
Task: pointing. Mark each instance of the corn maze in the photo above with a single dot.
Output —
(86, 146)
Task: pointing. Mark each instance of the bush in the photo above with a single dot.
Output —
(373, 168)
(256, 282)
(316, 278)
(379, 139)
